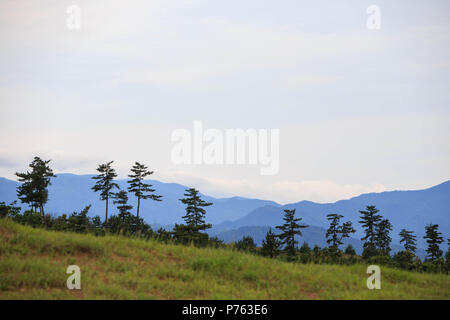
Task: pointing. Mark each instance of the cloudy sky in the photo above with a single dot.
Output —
(358, 110)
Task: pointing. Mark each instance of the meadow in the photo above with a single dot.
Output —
(33, 265)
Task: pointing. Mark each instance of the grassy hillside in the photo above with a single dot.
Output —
(33, 265)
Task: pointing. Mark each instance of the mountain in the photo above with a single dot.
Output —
(411, 210)
(70, 192)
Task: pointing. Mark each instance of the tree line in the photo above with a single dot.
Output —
(33, 191)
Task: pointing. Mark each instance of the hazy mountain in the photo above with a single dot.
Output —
(405, 209)
(411, 210)
(70, 192)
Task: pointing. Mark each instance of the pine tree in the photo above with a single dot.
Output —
(246, 244)
(137, 186)
(123, 222)
(79, 222)
(270, 245)
(382, 238)
(194, 219)
(33, 189)
(105, 184)
(288, 231)
(434, 239)
(409, 239)
(369, 221)
(305, 248)
(337, 232)
(350, 250)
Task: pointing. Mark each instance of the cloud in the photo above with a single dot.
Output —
(281, 191)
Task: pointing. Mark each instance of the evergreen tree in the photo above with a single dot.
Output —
(123, 222)
(137, 186)
(288, 231)
(194, 219)
(305, 248)
(382, 238)
(336, 232)
(79, 222)
(434, 239)
(246, 244)
(33, 189)
(270, 245)
(350, 250)
(369, 221)
(409, 239)
(105, 184)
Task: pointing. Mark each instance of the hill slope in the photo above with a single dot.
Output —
(33, 266)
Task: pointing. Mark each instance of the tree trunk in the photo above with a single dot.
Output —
(106, 214)
(138, 206)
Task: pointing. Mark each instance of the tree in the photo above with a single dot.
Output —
(382, 238)
(409, 240)
(447, 257)
(105, 183)
(194, 218)
(246, 244)
(79, 222)
(9, 211)
(350, 250)
(336, 232)
(288, 231)
(434, 239)
(137, 186)
(33, 189)
(369, 221)
(270, 245)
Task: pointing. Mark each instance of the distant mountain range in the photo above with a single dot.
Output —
(232, 217)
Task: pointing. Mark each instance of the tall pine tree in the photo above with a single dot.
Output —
(434, 239)
(33, 189)
(288, 231)
(369, 221)
(382, 238)
(409, 240)
(105, 184)
(337, 232)
(137, 185)
(194, 219)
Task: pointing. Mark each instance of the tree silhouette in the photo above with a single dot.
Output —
(194, 218)
(369, 221)
(288, 231)
(409, 239)
(434, 239)
(137, 185)
(336, 232)
(33, 189)
(382, 238)
(270, 245)
(105, 184)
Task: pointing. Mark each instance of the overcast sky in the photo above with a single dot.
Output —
(358, 110)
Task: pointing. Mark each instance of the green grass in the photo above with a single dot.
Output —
(33, 265)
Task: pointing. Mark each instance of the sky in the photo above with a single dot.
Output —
(358, 110)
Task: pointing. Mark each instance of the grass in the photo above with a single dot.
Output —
(33, 265)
